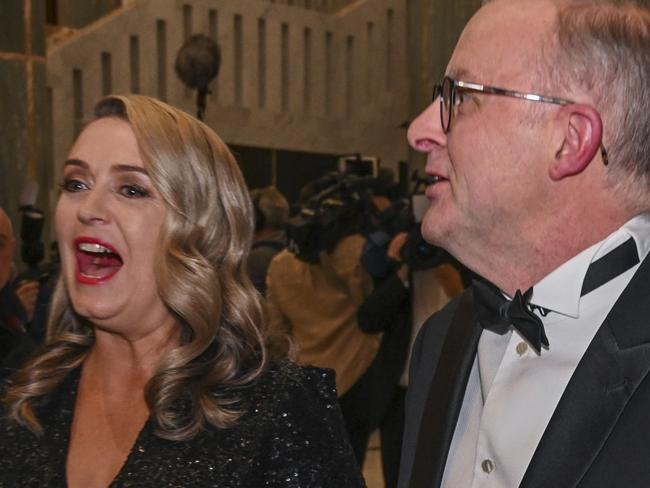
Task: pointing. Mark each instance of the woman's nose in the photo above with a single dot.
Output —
(93, 208)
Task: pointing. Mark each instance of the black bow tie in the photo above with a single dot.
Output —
(497, 314)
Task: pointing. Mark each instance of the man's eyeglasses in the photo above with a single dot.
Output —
(448, 93)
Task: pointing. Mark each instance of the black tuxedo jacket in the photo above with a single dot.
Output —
(599, 434)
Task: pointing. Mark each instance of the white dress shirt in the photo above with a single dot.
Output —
(512, 391)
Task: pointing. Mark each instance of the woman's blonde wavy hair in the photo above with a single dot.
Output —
(200, 274)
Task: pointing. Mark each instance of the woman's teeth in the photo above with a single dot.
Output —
(94, 248)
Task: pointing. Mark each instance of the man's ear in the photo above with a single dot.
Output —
(583, 130)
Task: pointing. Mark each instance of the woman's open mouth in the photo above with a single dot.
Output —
(97, 261)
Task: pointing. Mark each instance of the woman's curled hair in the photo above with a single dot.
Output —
(200, 274)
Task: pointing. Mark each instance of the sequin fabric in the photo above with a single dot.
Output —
(291, 436)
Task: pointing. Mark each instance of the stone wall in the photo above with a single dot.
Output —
(291, 78)
(24, 120)
(75, 13)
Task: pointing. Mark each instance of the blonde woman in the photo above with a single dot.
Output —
(154, 373)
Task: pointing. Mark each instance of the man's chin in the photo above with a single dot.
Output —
(435, 231)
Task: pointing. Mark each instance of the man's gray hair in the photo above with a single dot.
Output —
(603, 47)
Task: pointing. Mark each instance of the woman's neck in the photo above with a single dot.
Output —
(128, 358)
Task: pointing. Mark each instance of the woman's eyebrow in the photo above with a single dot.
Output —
(75, 162)
(116, 168)
(123, 168)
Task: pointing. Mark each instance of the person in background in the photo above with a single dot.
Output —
(537, 142)
(15, 344)
(315, 305)
(271, 212)
(398, 306)
(155, 372)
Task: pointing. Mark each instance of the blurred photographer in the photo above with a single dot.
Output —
(315, 288)
(412, 281)
(16, 304)
(35, 284)
(271, 213)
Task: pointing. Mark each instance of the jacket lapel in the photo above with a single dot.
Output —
(614, 364)
(445, 396)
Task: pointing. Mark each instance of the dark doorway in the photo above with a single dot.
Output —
(295, 169)
(256, 163)
(289, 170)
(51, 12)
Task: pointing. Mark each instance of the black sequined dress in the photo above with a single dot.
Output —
(291, 436)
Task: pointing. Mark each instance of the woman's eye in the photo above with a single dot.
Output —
(73, 185)
(133, 191)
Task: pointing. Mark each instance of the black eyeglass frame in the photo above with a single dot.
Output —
(448, 102)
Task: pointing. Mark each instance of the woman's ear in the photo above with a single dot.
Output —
(583, 130)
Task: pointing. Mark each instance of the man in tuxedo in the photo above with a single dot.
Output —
(538, 143)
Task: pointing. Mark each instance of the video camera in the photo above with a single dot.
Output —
(336, 210)
(32, 249)
(335, 206)
(404, 215)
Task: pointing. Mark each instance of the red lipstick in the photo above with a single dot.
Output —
(97, 261)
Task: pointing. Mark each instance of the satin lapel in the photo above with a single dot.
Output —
(445, 397)
(614, 364)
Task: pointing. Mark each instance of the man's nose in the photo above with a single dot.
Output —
(425, 132)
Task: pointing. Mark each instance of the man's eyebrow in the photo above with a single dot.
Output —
(462, 74)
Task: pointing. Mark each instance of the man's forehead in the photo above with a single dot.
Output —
(502, 39)
(525, 14)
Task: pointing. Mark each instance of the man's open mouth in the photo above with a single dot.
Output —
(433, 179)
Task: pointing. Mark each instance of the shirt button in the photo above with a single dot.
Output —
(487, 466)
(522, 347)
